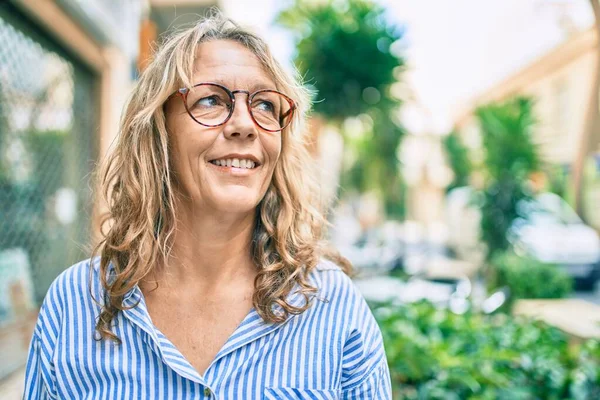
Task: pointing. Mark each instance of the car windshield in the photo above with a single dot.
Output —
(552, 209)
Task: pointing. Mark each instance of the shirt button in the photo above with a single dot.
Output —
(207, 392)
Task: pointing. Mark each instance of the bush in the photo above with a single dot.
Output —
(435, 354)
(528, 278)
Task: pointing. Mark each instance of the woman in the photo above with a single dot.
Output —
(211, 280)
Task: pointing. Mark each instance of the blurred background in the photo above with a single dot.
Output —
(459, 147)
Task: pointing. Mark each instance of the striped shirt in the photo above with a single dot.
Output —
(333, 350)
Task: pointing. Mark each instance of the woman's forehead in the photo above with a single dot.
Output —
(230, 64)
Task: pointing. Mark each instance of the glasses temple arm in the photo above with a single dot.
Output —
(288, 112)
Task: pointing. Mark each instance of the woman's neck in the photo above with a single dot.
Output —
(210, 251)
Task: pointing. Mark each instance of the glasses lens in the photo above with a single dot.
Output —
(209, 104)
(271, 110)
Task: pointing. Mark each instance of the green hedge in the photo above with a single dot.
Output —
(435, 354)
(528, 278)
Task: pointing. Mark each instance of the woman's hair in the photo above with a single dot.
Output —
(136, 182)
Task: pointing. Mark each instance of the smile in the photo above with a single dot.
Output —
(235, 163)
(231, 170)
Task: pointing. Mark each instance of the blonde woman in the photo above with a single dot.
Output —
(211, 281)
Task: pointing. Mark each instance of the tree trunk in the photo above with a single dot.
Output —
(588, 138)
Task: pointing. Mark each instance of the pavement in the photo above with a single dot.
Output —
(11, 388)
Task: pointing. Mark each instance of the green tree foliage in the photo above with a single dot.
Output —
(510, 158)
(435, 354)
(507, 138)
(458, 158)
(376, 166)
(558, 180)
(344, 49)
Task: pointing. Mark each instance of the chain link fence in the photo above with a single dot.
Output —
(48, 136)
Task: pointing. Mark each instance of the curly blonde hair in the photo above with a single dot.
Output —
(136, 182)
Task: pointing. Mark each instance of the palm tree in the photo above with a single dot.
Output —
(346, 52)
(510, 159)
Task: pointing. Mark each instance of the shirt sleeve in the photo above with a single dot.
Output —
(365, 372)
(35, 385)
(40, 378)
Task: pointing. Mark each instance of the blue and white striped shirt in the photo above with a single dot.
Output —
(333, 350)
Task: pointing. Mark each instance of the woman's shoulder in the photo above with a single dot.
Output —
(76, 283)
(337, 295)
(364, 370)
(334, 285)
(328, 276)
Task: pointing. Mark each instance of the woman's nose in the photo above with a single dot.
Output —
(241, 124)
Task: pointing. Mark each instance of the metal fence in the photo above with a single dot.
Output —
(48, 136)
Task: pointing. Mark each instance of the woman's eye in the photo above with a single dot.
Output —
(211, 101)
(266, 106)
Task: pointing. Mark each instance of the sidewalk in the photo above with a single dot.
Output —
(14, 345)
(11, 388)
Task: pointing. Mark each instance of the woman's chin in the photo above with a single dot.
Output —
(235, 205)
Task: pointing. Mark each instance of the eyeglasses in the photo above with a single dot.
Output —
(211, 104)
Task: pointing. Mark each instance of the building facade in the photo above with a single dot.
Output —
(560, 84)
(66, 68)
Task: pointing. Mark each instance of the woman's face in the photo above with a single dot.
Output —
(198, 152)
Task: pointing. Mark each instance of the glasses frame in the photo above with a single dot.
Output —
(183, 93)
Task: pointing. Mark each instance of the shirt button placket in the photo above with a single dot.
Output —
(207, 392)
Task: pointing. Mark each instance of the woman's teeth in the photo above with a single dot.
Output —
(235, 162)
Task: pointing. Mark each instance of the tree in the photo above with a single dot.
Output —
(510, 158)
(458, 158)
(346, 51)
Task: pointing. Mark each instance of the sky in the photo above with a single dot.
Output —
(454, 49)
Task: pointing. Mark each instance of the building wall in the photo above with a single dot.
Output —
(65, 71)
(561, 106)
(560, 83)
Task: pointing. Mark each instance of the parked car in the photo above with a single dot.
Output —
(553, 233)
(550, 231)
(377, 250)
